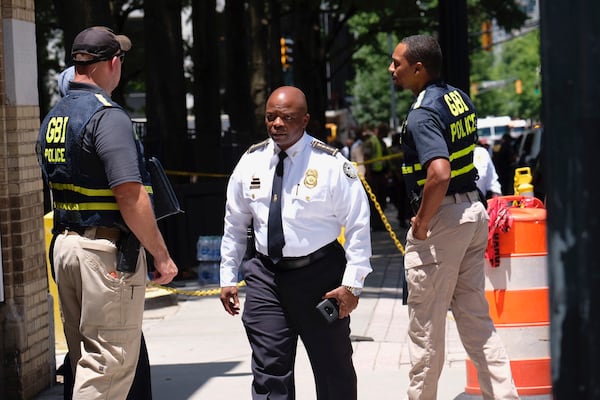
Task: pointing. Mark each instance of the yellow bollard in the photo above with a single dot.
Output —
(522, 185)
(59, 335)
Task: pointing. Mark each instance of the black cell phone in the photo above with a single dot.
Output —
(329, 309)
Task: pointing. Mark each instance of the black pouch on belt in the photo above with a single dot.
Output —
(482, 198)
(128, 251)
(414, 200)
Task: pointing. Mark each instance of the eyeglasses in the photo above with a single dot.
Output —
(284, 118)
(121, 56)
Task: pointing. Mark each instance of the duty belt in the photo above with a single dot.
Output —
(456, 198)
(289, 263)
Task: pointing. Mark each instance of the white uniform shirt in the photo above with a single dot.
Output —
(488, 178)
(320, 194)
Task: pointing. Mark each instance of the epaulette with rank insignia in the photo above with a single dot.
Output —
(257, 146)
(324, 147)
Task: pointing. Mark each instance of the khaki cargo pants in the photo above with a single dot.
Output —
(444, 271)
(102, 312)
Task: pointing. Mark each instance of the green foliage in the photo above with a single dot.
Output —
(518, 58)
(371, 89)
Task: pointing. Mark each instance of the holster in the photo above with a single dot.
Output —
(128, 252)
(414, 200)
(482, 198)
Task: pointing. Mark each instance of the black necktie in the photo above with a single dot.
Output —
(275, 237)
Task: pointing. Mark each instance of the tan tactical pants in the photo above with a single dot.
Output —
(102, 310)
(444, 271)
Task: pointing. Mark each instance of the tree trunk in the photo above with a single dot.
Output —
(454, 43)
(207, 107)
(261, 51)
(75, 15)
(165, 84)
(309, 66)
(238, 103)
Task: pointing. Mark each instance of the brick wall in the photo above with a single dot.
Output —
(26, 348)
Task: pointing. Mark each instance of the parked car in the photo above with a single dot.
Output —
(529, 148)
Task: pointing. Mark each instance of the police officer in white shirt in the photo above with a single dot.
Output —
(487, 182)
(320, 194)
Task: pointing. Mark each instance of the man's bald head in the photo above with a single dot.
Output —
(286, 115)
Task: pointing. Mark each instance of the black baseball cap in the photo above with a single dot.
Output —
(100, 43)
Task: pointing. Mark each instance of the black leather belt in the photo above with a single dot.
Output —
(95, 232)
(288, 263)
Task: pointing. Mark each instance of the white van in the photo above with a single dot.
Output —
(491, 129)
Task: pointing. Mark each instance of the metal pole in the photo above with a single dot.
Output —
(570, 37)
(454, 42)
(393, 116)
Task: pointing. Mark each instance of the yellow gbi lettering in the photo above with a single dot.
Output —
(57, 129)
(455, 103)
(55, 155)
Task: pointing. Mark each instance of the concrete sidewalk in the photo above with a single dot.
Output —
(197, 351)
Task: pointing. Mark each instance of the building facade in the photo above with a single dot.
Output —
(27, 363)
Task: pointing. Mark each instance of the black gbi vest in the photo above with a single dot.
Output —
(457, 114)
(81, 198)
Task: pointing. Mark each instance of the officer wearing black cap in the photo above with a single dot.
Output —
(95, 168)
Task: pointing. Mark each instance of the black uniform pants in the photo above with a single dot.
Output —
(279, 308)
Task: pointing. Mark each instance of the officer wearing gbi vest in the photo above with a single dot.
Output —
(445, 245)
(94, 166)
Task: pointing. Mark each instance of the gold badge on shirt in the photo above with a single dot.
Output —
(310, 178)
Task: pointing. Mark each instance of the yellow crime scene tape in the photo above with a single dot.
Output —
(217, 291)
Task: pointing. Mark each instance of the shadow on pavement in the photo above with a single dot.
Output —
(181, 381)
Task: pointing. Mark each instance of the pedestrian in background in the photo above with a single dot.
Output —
(96, 171)
(504, 160)
(445, 245)
(376, 171)
(296, 193)
(487, 181)
(397, 189)
(357, 154)
(347, 146)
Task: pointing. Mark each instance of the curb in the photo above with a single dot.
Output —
(157, 298)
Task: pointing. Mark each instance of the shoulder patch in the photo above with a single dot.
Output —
(257, 146)
(419, 99)
(349, 170)
(103, 100)
(324, 147)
